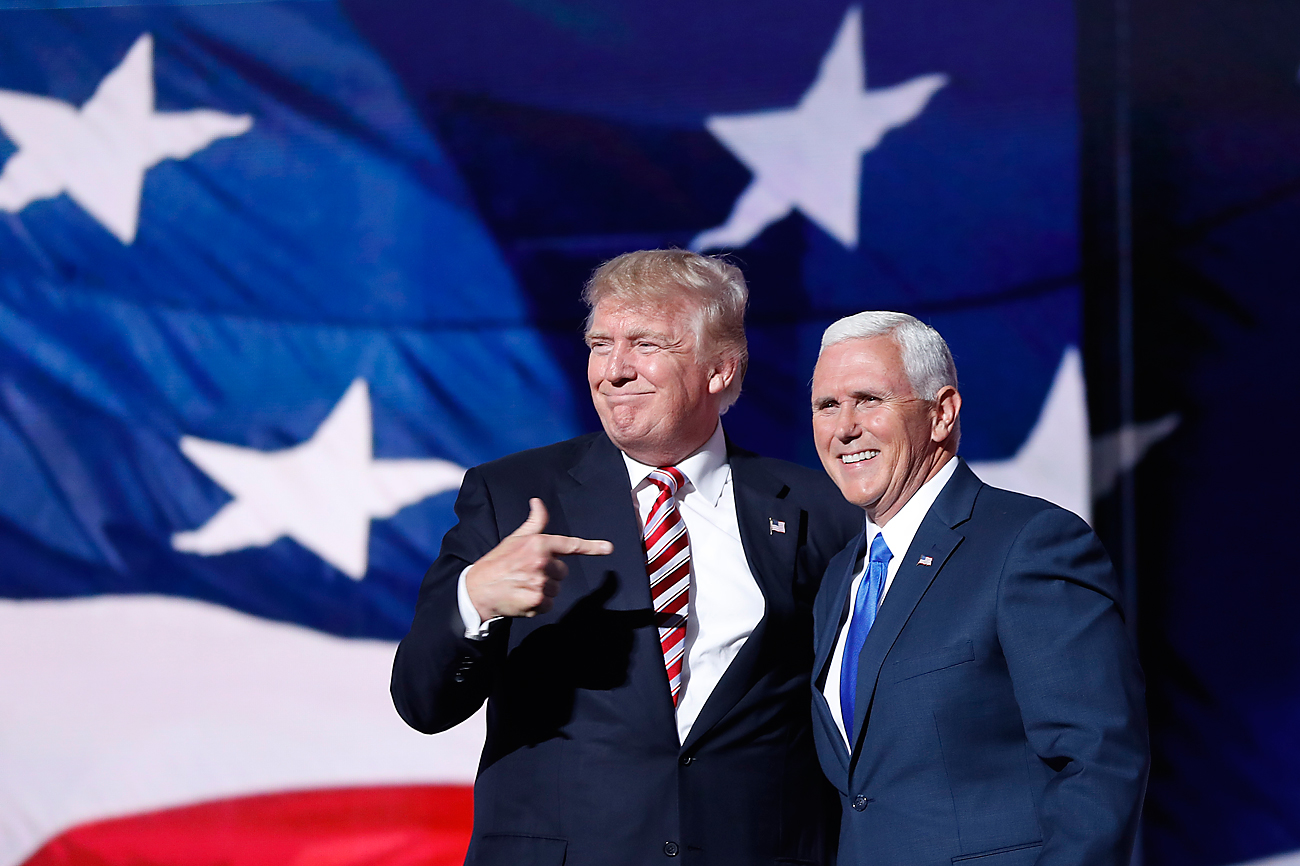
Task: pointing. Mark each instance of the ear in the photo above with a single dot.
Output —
(943, 416)
(724, 371)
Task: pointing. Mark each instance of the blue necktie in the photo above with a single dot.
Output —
(864, 614)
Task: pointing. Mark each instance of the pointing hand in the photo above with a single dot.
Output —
(522, 574)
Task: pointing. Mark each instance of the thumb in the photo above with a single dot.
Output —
(536, 521)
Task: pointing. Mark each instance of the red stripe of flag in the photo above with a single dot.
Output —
(392, 826)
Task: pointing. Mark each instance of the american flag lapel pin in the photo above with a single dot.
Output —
(775, 526)
(925, 560)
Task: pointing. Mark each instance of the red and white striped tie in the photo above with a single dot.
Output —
(668, 562)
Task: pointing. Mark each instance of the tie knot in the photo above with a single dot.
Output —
(880, 551)
(668, 479)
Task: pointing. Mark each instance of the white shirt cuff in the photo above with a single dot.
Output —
(475, 627)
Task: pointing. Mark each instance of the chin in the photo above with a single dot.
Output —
(618, 422)
(859, 497)
(627, 435)
(626, 431)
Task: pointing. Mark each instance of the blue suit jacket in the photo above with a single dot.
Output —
(1000, 704)
(582, 765)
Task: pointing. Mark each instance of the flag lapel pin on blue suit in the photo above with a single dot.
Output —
(925, 560)
(775, 526)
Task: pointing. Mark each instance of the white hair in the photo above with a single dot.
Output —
(927, 362)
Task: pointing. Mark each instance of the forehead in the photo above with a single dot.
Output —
(873, 364)
(622, 318)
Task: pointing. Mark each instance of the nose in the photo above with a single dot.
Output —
(846, 425)
(618, 368)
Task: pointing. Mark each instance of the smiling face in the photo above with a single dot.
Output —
(657, 394)
(876, 439)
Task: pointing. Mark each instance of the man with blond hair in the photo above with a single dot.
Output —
(635, 606)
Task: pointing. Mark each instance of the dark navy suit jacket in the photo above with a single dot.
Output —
(1000, 716)
(582, 763)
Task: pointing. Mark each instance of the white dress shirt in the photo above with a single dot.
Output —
(724, 607)
(899, 532)
(726, 604)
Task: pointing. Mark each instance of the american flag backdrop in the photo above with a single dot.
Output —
(272, 274)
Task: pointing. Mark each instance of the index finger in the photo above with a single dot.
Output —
(565, 545)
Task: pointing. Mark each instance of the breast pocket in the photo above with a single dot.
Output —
(934, 660)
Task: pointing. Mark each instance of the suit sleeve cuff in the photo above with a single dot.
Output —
(475, 627)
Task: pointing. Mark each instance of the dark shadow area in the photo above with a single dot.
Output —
(534, 699)
(1198, 106)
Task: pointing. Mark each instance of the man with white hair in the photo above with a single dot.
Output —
(976, 696)
(646, 666)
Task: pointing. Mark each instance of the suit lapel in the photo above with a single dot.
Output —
(599, 506)
(936, 538)
(835, 589)
(760, 501)
(910, 583)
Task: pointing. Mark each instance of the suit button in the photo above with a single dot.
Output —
(860, 802)
(687, 760)
(459, 676)
(670, 848)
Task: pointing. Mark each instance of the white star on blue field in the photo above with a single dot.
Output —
(322, 493)
(810, 157)
(98, 154)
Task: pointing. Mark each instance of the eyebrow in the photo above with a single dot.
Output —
(633, 334)
(636, 334)
(853, 395)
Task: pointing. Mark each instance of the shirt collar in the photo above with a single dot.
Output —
(902, 527)
(706, 470)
